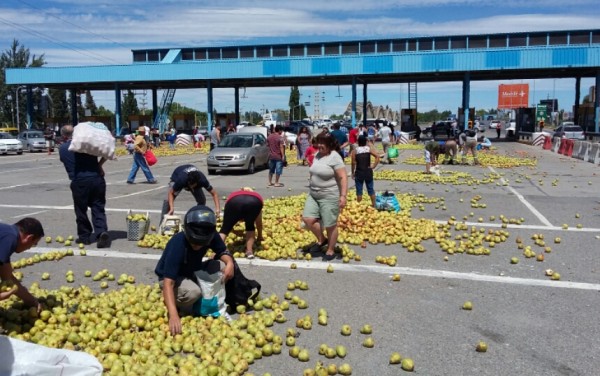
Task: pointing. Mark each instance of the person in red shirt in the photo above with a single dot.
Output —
(310, 152)
(353, 138)
(245, 205)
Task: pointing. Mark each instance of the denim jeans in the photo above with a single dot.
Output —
(139, 162)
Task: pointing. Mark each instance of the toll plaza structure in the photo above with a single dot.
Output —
(466, 58)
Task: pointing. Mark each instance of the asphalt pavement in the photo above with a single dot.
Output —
(532, 325)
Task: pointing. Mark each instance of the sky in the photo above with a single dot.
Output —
(103, 32)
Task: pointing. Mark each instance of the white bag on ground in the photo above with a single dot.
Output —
(94, 139)
(211, 283)
(24, 358)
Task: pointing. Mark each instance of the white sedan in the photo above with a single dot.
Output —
(9, 144)
(495, 124)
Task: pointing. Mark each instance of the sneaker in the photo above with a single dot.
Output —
(84, 241)
(130, 182)
(152, 181)
(103, 240)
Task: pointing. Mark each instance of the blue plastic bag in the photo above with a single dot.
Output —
(387, 201)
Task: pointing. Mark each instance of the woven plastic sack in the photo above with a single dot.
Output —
(211, 283)
(24, 358)
(387, 201)
(94, 139)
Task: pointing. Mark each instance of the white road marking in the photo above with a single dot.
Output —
(30, 214)
(135, 193)
(480, 224)
(535, 212)
(15, 186)
(318, 265)
(47, 207)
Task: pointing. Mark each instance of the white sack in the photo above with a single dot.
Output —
(94, 139)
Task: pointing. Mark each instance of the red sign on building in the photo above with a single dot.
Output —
(513, 96)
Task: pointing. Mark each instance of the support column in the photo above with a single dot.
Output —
(73, 98)
(353, 102)
(577, 99)
(597, 104)
(29, 106)
(154, 105)
(209, 100)
(465, 98)
(237, 105)
(365, 102)
(118, 110)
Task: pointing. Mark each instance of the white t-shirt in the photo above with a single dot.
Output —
(385, 133)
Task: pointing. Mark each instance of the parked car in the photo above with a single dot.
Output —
(33, 140)
(239, 152)
(7, 128)
(569, 130)
(9, 143)
(495, 124)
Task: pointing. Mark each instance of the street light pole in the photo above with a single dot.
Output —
(12, 108)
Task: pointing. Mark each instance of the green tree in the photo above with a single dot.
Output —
(103, 111)
(294, 104)
(59, 109)
(16, 56)
(90, 104)
(129, 106)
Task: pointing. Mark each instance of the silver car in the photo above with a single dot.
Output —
(239, 152)
(33, 140)
(9, 144)
(569, 130)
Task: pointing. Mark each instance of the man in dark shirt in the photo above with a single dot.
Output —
(18, 238)
(341, 138)
(191, 179)
(89, 191)
(183, 256)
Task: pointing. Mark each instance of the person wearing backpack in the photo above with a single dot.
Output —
(183, 256)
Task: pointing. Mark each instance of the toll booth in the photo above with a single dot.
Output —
(461, 117)
(525, 120)
(136, 120)
(184, 123)
(408, 120)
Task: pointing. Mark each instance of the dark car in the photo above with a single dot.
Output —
(294, 127)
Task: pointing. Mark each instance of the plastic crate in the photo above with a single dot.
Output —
(171, 225)
(136, 230)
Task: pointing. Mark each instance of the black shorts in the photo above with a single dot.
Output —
(243, 207)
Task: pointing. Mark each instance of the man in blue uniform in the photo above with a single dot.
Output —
(89, 191)
(188, 177)
(18, 238)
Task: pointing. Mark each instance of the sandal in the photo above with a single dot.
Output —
(249, 255)
(328, 257)
(317, 247)
(278, 185)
